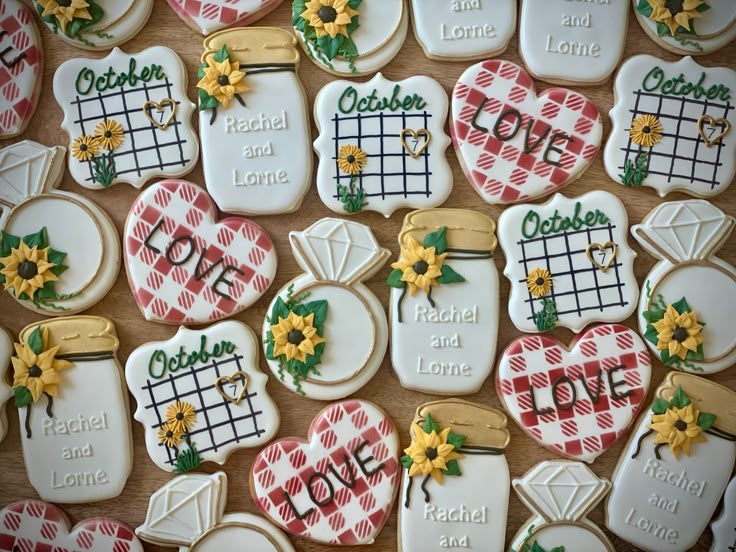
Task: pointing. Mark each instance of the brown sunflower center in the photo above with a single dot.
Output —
(680, 425)
(295, 337)
(421, 267)
(675, 6)
(27, 270)
(431, 453)
(169, 434)
(647, 129)
(539, 281)
(83, 147)
(108, 134)
(64, 3)
(179, 416)
(680, 334)
(350, 159)
(223, 80)
(34, 371)
(327, 14)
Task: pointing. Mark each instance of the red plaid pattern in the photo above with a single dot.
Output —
(35, 526)
(501, 171)
(588, 428)
(356, 514)
(18, 84)
(172, 294)
(213, 15)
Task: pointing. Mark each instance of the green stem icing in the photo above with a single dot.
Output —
(104, 169)
(686, 42)
(353, 201)
(636, 171)
(546, 319)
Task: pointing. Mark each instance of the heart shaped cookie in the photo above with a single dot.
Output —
(337, 488)
(575, 401)
(32, 525)
(514, 145)
(186, 268)
(209, 16)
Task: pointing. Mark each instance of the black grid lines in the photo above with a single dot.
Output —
(682, 155)
(390, 170)
(145, 146)
(219, 422)
(577, 285)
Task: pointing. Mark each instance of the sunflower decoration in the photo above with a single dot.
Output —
(181, 418)
(109, 134)
(296, 337)
(351, 160)
(74, 18)
(539, 282)
(327, 26)
(421, 267)
(433, 454)
(673, 17)
(676, 332)
(37, 372)
(220, 80)
(646, 131)
(85, 148)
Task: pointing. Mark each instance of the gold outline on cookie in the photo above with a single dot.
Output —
(590, 526)
(715, 123)
(391, 36)
(602, 248)
(239, 524)
(415, 135)
(231, 379)
(115, 21)
(160, 106)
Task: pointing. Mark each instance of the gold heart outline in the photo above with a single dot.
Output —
(710, 121)
(415, 134)
(223, 380)
(148, 105)
(601, 247)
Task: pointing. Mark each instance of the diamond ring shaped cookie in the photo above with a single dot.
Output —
(339, 486)
(201, 396)
(213, 15)
(128, 117)
(569, 262)
(577, 400)
(687, 298)
(515, 145)
(184, 266)
(672, 127)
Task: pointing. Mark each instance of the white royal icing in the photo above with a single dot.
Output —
(678, 94)
(6, 392)
(405, 166)
(724, 527)
(214, 15)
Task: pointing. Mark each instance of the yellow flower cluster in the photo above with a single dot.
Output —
(108, 135)
(180, 419)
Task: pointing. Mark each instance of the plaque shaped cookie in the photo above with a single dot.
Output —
(350, 37)
(724, 527)
(21, 67)
(515, 145)
(672, 127)
(6, 392)
(689, 28)
(573, 43)
(256, 150)
(561, 493)
(184, 266)
(213, 15)
(201, 396)
(687, 298)
(462, 31)
(579, 400)
(94, 24)
(670, 476)
(339, 486)
(73, 409)
(128, 117)
(34, 525)
(569, 262)
(188, 513)
(463, 505)
(444, 301)
(48, 265)
(325, 334)
(382, 145)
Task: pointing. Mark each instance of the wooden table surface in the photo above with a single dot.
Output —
(165, 28)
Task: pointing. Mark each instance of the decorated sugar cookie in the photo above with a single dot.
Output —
(672, 473)
(569, 262)
(689, 27)
(573, 42)
(444, 301)
(464, 504)
(724, 527)
(214, 15)
(515, 145)
(186, 267)
(382, 145)
(188, 513)
(256, 151)
(687, 297)
(73, 409)
(463, 30)
(350, 37)
(339, 486)
(35, 526)
(577, 400)
(6, 392)
(48, 265)
(201, 396)
(21, 67)
(325, 333)
(94, 24)
(128, 117)
(561, 493)
(672, 127)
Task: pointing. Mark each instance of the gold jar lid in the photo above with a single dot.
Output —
(255, 46)
(482, 425)
(77, 335)
(466, 230)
